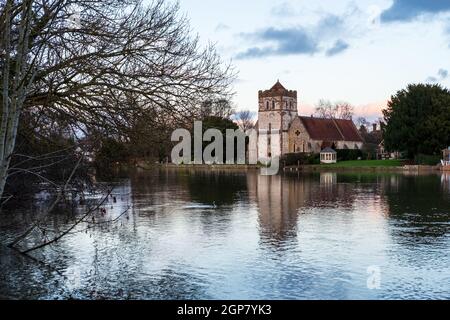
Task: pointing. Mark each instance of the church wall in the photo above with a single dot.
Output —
(266, 149)
(285, 142)
(300, 141)
(252, 153)
(349, 145)
(298, 137)
(276, 113)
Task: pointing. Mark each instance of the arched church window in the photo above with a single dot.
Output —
(267, 105)
(273, 104)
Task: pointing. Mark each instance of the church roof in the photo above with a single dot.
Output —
(331, 129)
(278, 90)
(278, 87)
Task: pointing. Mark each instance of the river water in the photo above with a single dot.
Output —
(198, 234)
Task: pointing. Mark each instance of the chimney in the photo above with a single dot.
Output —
(374, 126)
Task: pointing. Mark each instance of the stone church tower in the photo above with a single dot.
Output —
(277, 109)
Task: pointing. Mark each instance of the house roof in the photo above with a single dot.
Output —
(331, 129)
(328, 150)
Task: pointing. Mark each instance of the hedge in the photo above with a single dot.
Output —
(428, 160)
(292, 159)
(349, 154)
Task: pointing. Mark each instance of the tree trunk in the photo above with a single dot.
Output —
(14, 85)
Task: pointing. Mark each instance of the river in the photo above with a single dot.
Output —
(200, 234)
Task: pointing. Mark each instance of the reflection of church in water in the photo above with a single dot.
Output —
(445, 180)
(280, 199)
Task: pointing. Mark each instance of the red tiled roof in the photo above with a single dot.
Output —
(331, 129)
(348, 130)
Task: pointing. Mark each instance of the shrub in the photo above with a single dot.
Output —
(314, 159)
(349, 154)
(429, 160)
(369, 151)
(292, 159)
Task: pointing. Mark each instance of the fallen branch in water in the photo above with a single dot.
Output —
(112, 220)
(55, 239)
(52, 206)
(46, 265)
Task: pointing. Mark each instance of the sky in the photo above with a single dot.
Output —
(360, 52)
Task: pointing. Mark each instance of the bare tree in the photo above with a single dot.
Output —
(244, 120)
(340, 110)
(79, 62)
(344, 110)
(216, 108)
(362, 122)
(324, 109)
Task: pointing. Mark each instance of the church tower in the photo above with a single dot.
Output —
(277, 109)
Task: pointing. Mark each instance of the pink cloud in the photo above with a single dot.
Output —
(371, 111)
(306, 109)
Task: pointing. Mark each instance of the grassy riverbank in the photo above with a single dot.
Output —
(357, 166)
(365, 164)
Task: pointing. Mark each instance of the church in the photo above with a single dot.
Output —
(281, 130)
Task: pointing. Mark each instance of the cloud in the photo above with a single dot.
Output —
(222, 27)
(285, 42)
(371, 111)
(330, 25)
(442, 74)
(297, 40)
(407, 10)
(338, 47)
(284, 9)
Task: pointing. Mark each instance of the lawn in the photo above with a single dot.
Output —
(366, 163)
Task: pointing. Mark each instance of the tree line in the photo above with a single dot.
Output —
(96, 70)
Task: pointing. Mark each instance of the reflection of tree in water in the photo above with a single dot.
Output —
(22, 278)
(157, 193)
(201, 186)
(222, 188)
(420, 206)
(176, 285)
(157, 187)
